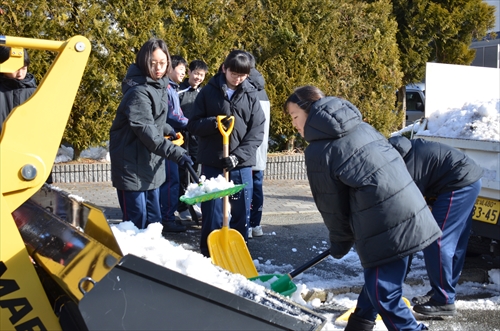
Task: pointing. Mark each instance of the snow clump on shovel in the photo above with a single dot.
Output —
(208, 186)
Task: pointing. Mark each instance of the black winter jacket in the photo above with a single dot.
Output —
(137, 146)
(248, 124)
(187, 96)
(14, 92)
(361, 186)
(435, 167)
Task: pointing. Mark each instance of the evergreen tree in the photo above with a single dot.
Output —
(115, 29)
(455, 24)
(346, 48)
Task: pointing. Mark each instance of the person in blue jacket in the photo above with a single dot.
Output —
(228, 93)
(452, 180)
(351, 169)
(169, 190)
(137, 144)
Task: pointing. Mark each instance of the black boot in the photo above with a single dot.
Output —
(434, 308)
(173, 226)
(356, 323)
(418, 300)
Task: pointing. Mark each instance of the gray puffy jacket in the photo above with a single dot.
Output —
(137, 147)
(361, 186)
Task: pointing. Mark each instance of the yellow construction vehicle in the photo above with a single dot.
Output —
(61, 267)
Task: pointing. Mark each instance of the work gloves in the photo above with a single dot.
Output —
(185, 159)
(339, 249)
(230, 162)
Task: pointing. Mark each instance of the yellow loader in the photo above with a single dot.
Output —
(61, 268)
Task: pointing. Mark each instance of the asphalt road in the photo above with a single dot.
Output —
(294, 233)
(292, 239)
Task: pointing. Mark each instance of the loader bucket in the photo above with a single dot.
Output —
(67, 239)
(140, 295)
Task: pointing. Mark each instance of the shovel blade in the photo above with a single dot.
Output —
(281, 284)
(342, 319)
(228, 250)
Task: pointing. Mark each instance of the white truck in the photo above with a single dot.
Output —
(449, 88)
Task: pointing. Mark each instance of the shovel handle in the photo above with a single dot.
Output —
(225, 132)
(192, 172)
(311, 263)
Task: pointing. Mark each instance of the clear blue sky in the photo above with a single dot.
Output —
(495, 3)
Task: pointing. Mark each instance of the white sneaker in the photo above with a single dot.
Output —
(250, 233)
(257, 231)
(185, 215)
(197, 210)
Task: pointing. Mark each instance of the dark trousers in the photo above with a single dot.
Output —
(169, 192)
(240, 206)
(444, 258)
(142, 208)
(257, 198)
(382, 294)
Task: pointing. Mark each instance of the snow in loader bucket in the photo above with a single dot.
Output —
(140, 295)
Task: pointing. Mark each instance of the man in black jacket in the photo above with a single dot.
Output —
(228, 93)
(15, 87)
(188, 91)
(447, 175)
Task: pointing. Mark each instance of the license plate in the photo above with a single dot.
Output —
(486, 210)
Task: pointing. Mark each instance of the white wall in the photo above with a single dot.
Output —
(452, 85)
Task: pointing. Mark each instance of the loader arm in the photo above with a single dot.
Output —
(29, 142)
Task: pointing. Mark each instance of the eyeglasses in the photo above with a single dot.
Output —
(237, 75)
(160, 64)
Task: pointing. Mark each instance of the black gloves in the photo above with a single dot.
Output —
(229, 162)
(339, 249)
(226, 122)
(185, 159)
(172, 135)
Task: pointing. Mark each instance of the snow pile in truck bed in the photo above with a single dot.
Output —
(478, 121)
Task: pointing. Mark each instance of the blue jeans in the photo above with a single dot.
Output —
(257, 199)
(212, 210)
(445, 257)
(382, 294)
(169, 192)
(142, 208)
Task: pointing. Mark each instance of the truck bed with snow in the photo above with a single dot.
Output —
(462, 111)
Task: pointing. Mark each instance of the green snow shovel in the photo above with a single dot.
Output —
(284, 283)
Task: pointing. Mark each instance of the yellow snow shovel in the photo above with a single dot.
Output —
(342, 319)
(227, 246)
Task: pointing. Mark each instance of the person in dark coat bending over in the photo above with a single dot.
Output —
(453, 180)
(352, 169)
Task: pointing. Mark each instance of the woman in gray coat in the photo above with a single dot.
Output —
(137, 145)
(366, 198)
